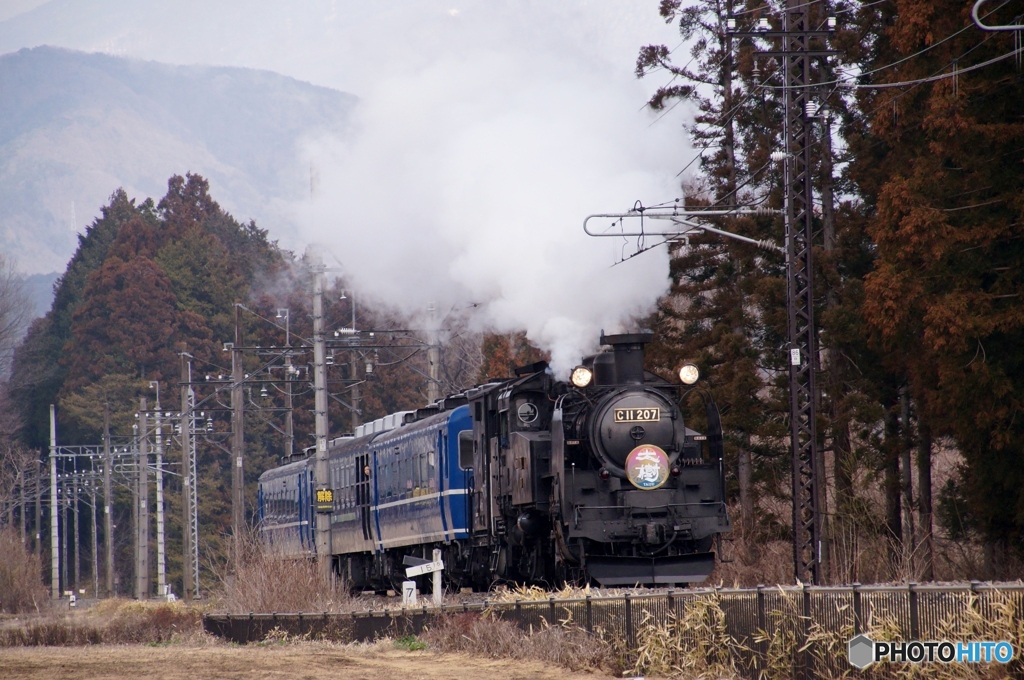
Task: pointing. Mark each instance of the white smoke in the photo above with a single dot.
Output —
(469, 172)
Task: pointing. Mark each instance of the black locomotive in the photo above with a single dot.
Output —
(525, 480)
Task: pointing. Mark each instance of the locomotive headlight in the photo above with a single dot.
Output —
(689, 374)
(581, 376)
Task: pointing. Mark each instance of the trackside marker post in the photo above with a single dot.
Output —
(435, 567)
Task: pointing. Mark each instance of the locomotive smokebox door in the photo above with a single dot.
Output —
(628, 418)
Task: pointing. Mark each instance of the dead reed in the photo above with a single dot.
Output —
(695, 644)
(483, 634)
(267, 581)
(21, 586)
(117, 622)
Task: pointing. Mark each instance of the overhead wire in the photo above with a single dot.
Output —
(840, 83)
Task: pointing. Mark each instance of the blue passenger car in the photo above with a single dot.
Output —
(396, 492)
(286, 519)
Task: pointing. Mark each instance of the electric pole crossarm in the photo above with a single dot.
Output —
(669, 214)
(782, 34)
(697, 228)
(691, 228)
(985, 27)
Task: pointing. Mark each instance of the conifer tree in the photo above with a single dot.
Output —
(938, 164)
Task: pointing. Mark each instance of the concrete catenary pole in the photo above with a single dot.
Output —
(108, 501)
(161, 557)
(142, 568)
(186, 481)
(38, 487)
(323, 526)
(433, 355)
(237, 440)
(75, 489)
(95, 533)
(54, 512)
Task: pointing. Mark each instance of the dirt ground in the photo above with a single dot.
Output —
(298, 661)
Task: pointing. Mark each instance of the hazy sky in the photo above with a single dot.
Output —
(487, 130)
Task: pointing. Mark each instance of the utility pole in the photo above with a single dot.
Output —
(95, 529)
(108, 501)
(161, 558)
(433, 355)
(800, 111)
(132, 587)
(186, 479)
(78, 542)
(142, 568)
(54, 512)
(353, 368)
(23, 504)
(237, 439)
(66, 546)
(323, 525)
(289, 422)
(38, 487)
(803, 350)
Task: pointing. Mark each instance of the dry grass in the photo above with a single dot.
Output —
(534, 593)
(266, 581)
(21, 584)
(695, 644)
(111, 622)
(486, 635)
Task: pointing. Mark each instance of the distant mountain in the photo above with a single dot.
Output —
(39, 291)
(75, 126)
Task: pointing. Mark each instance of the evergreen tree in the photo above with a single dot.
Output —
(936, 164)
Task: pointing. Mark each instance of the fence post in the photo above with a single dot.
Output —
(519, 613)
(670, 600)
(551, 610)
(857, 616)
(762, 622)
(590, 616)
(975, 596)
(805, 666)
(630, 639)
(915, 621)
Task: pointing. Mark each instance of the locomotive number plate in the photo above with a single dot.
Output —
(637, 415)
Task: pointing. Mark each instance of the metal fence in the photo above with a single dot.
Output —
(806, 626)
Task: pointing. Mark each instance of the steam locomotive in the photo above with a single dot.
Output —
(528, 480)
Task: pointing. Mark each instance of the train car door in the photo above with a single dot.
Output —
(364, 495)
(444, 484)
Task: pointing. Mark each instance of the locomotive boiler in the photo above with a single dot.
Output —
(527, 480)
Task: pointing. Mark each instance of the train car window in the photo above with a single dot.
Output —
(466, 449)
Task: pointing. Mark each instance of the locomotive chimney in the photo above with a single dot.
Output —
(629, 355)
